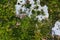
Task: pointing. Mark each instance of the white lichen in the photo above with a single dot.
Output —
(56, 29)
(40, 17)
(46, 14)
(38, 2)
(21, 2)
(31, 2)
(45, 9)
(28, 11)
(18, 7)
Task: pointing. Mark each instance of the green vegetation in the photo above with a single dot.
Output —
(27, 30)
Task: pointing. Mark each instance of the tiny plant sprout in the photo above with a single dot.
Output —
(17, 23)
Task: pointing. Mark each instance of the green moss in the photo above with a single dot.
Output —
(27, 30)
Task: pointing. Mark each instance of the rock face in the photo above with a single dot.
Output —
(56, 29)
(21, 8)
